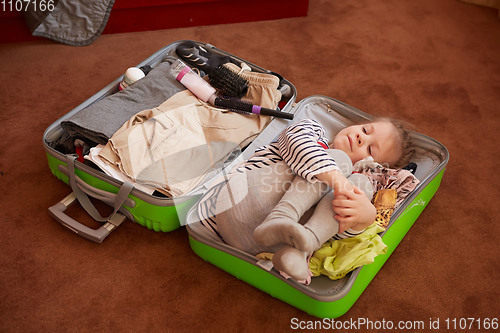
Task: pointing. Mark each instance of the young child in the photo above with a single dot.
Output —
(260, 206)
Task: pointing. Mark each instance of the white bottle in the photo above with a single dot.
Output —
(132, 75)
(199, 87)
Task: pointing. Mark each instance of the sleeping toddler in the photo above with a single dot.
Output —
(260, 206)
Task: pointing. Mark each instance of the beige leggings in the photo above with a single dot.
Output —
(249, 198)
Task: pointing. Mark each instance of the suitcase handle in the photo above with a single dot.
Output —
(96, 235)
(81, 191)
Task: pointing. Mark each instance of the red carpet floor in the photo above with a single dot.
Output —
(433, 63)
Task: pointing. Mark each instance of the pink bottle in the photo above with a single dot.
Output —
(199, 87)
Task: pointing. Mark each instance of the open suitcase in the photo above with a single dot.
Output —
(323, 298)
(156, 212)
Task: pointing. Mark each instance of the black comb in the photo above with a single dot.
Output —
(239, 105)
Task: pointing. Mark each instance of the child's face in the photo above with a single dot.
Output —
(377, 139)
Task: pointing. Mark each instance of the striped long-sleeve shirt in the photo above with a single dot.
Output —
(301, 146)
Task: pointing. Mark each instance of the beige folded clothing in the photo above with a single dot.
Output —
(174, 145)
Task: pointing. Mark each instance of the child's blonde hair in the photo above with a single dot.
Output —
(403, 129)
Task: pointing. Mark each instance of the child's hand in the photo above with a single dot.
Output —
(353, 209)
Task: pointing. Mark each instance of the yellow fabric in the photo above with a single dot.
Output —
(336, 258)
(265, 256)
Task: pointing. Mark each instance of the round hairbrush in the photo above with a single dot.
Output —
(228, 82)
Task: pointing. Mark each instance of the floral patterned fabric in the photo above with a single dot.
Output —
(403, 181)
